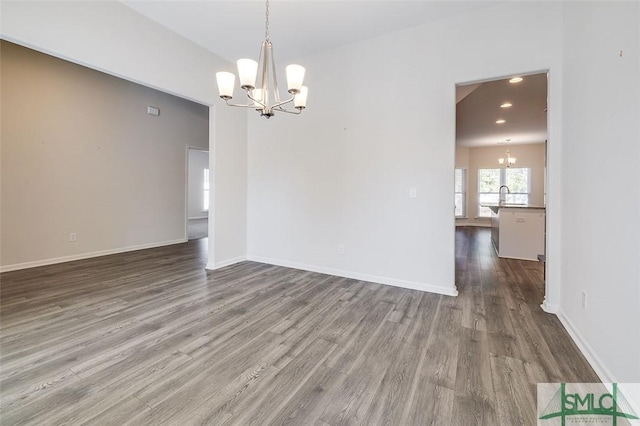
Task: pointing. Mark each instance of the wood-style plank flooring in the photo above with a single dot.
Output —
(151, 338)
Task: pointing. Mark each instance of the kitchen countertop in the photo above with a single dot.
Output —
(514, 206)
(496, 207)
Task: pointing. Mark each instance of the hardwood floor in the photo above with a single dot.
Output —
(150, 337)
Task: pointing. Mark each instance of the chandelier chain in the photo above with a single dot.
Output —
(266, 22)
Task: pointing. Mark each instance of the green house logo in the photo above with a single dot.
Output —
(587, 403)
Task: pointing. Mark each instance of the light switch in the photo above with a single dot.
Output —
(413, 192)
(153, 111)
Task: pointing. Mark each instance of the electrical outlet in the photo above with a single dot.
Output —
(341, 249)
(413, 192)
(73, 237)
(584, 300)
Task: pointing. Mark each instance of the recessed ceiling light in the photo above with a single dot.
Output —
(501, 121)
(515, 80)
(506, 105)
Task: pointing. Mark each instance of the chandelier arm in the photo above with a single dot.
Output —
(283, 102)
(255, 100)
(296, 112)
(240, 105)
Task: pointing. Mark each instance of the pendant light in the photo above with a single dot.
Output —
(265, 97)
(507, 160)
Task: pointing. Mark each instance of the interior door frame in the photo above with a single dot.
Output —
(550, 302)
(186, 188)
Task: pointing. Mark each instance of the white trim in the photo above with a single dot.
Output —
(222, 264)
(517, 258)
(357, 276)
(211, 223)
(186, 191)
(549, 308)
(198, 217)
(55, 260)
(553, 191)
(604, 374)
(631, 392)
(476, 224)
(186, 185)
(589, 353)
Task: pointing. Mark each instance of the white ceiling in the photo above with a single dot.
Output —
(526, 120)
(235, 29)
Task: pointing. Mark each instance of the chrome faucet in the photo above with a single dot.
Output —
(502, 195)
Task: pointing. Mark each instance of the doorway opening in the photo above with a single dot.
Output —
(198, 192)
(501, 167)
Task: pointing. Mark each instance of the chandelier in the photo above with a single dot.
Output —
(264, 97)
(507, 160)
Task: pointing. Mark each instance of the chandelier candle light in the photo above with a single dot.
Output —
(508, 160)
(264, 98)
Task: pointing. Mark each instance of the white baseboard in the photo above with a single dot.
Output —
(549, 308)
(81, 256)
(357, 276)
(631, 391)
(528, 259)
(476, 224)
(592, 357)
(224, 263)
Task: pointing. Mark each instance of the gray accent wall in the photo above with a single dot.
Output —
(81, 155)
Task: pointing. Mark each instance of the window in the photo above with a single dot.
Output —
(461, 192)
(519, 182)
(489, 181)
(488, 187)
(205, 195)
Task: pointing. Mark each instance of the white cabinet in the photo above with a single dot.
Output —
(518, 233)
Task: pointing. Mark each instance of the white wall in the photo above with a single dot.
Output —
(228, 172)
(527, 155)
(601, 199)
(110, 37)
(198, 162)
(380, 120)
